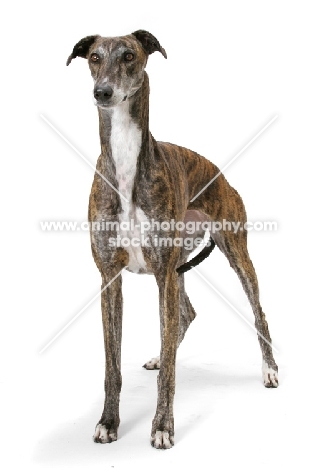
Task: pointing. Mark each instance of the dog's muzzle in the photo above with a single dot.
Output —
(103, 94)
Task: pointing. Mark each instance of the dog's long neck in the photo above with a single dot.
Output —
(125, 138)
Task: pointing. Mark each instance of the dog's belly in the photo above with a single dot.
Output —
(131, 238)
(197, 218)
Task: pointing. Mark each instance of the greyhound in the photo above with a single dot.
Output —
(138, 180)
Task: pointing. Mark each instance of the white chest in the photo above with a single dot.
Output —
(126, 139)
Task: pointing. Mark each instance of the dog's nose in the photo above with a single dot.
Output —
(103, 93)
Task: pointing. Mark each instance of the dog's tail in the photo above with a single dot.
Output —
(198, 259)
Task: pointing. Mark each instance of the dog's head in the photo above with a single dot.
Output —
(117, 64)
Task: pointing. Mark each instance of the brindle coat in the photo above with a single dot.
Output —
(165, 178)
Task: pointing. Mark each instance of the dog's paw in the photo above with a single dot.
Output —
(270, 376)
(154, 363)
(162, 440)
(103, 435)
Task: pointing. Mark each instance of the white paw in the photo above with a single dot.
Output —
(162, 440)
(103, 435)
(154, 363)
(270, 376)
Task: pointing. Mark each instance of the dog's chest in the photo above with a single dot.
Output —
(126, 140)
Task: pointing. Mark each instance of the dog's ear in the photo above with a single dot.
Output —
(82, 47)
(149, 42)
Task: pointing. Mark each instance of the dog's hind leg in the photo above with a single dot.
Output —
(234, 247)
(187, 315)
(222, 204)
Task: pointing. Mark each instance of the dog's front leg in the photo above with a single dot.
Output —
(162, 435)
(111, 301)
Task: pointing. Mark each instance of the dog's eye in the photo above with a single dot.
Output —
(94, 58)
(128, 56)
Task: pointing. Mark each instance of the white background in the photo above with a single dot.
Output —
(231, 67)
